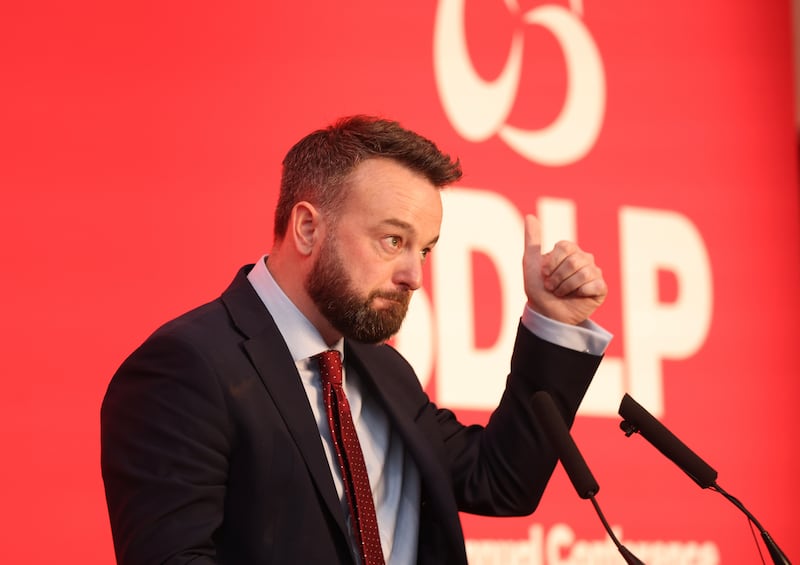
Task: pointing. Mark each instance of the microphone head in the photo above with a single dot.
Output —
(555, 428)
(637, 419)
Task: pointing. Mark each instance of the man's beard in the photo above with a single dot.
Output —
(330, 287)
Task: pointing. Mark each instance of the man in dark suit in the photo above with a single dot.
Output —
(216, 446)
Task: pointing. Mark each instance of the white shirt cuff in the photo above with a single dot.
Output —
(586, 337)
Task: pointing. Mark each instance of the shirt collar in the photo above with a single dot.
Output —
(300, 335)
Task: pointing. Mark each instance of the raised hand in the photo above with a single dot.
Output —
(564, 284)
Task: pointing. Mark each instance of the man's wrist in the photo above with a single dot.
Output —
(587, 337)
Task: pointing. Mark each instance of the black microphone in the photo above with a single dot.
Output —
(637, 419)
(555, 429)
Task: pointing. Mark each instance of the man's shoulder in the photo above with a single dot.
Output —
(210, 317)
(211, 321)
(196, 334)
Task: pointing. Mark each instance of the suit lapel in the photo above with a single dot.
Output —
(271, 358)
(402, 410)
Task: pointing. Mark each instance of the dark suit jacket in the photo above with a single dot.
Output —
(211, 454)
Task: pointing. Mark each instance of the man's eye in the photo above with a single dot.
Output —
(392, 243)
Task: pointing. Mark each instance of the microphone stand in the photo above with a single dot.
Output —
(629, 557)
(778, 556)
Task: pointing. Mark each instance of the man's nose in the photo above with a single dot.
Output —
(409, 271)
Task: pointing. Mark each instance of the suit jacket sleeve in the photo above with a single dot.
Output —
(165, 439)
(503, 469)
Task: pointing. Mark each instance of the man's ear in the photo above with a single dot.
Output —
(304, 227)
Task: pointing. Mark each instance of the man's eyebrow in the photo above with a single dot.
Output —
(398, 223)
(403, 225)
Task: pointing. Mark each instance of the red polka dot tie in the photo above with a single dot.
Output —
(351, 460)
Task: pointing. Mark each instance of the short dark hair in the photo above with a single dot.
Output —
(315, 168)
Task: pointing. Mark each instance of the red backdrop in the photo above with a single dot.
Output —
(140, 156)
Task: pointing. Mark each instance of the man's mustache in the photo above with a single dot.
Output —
(401, 296)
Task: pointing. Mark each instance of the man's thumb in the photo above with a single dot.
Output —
(533, 234)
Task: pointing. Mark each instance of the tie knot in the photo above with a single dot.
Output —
(330, 366)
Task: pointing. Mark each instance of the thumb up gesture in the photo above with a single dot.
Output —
(563, 284)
